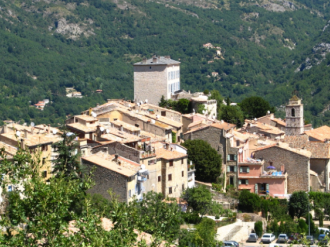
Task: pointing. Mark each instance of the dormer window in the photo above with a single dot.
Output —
(293, 112)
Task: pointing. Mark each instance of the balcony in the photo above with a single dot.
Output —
(274, 174)
(250, 161)
(147, 154)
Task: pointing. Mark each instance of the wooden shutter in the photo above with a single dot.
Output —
(256, 188)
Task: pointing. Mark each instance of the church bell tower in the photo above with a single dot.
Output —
(294, 117)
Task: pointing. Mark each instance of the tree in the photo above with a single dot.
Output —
(258, 228)
(162, 102)
(205, 233)
(206, 159)
(156, 216)
(298, 204)
(255, 107)
(232, 114)
(199, 199)
(67, 161)
(249, 202)
(182, 106)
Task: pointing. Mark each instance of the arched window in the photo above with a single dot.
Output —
(293, 112)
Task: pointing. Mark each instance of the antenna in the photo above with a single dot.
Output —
(102, 129)
(18, 133)
(32, 124)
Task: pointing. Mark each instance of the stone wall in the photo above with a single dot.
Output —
(150, 82)
(297, 166)
(106, 179)
(320, 167)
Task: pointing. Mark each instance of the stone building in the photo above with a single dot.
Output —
(294, 117)
(156, 77)
(296, 164)
(219, 137)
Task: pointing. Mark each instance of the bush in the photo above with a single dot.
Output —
(246, 217)
(191, 218)
(258, 228)
(249, 202)
(217, 217)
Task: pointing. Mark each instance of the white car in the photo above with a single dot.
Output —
(267, 238)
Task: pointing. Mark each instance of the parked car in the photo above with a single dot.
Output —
(294, 236)
(231, 243)
(322, 240)
(310, 239)
(253, 237)
(324, 230)
(282, 238)
(275, 245)
(267, 238)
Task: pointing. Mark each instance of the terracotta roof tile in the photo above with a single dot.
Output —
(285, 146)
(322, 133)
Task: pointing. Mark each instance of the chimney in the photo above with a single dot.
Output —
(121, 128)
(154, 59)
(144, 60)
(98, 104)
(5, 129)
(116, 159)
(22, 143)
(48, 130)
(167, 146)
(98, 131)
(167, 57)
(25, 134)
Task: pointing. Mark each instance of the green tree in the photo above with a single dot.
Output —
(156, 216)
(162, 102)
(199, 199)
(249, 202)
(232, 114)
(205, 233)
(67, 162)
(298, 204)
(255, 107)
(182, 106)
(206, 159)
(258, 228)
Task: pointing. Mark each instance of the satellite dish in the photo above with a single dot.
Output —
(54, 132)
(18, 133)
(108, 131)
(69, 134)
(94, 114)
(102, 129)
(32, 124)
(255, 119)
(268, 112)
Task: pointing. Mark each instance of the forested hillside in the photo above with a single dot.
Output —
(268, 48)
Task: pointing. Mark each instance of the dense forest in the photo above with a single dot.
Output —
(267, 49)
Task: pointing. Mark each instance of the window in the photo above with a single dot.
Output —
(170, 190)
(136, 125)
(150, 67)
(244, 169)
(169, 177)
(182, 186)
(151, 162)
(293, 112)
(237, 143)
(171, 162)
(43, 161)
(163, 113)
(231, 157)
(129, 193)
(181, 161)
(182, 173)
(159, 178)
(76, 120)
(243, 181)
(44, 174)
(231, 168)
(10, 188)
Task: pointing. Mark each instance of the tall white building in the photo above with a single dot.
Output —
(156, 77)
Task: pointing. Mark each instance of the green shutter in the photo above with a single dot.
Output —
(256, 188)
(235, 168)
(239, 181)
(246, 181)
(228, 156)
(235, 157)
(228, 168)
(240, 169)
(248, 170)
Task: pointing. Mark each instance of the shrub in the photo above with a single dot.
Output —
(246, 217)
(258, 228)
(249, 202)
(217, 217)
(191, 218)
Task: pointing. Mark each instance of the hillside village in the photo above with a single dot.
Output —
(135, 147)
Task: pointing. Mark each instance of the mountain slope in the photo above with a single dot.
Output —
(89, 45)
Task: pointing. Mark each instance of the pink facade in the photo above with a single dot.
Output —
(251, 176)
